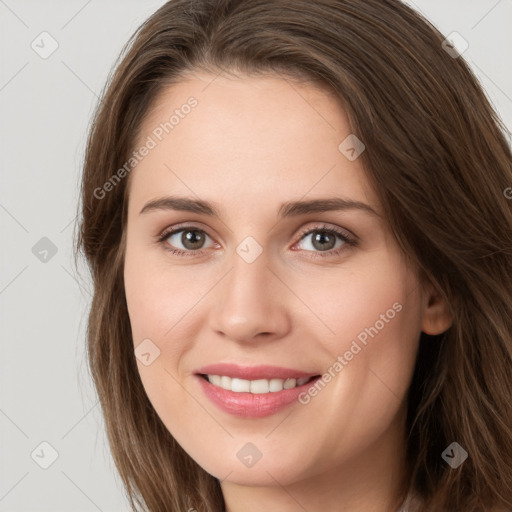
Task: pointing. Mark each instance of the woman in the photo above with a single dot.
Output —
(296, 219)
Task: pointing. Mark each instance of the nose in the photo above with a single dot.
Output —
(251, 303)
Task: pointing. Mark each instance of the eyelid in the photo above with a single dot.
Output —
(324, 226)
(193, 225)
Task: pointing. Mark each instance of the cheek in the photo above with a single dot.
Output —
(159, 298)
(377, 301)
(374, 309)
(378, 324)
(374, 319)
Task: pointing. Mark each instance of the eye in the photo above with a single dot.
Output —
(324, 241)
(190, 237)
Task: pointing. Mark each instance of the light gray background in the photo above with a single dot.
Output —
(45, 109)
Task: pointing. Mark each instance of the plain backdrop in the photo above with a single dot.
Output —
(54, 456)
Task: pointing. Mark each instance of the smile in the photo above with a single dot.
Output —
(252, 391)
(260, 386)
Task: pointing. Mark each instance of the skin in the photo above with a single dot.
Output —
(249, 145)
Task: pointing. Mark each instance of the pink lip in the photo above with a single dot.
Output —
(252, 405)
(252, 372)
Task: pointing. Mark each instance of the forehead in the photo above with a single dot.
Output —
(250, 136)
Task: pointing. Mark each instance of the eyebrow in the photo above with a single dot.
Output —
(288, 209)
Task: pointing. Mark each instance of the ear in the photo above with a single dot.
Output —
(436, 317)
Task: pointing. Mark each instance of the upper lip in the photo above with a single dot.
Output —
(253, 372)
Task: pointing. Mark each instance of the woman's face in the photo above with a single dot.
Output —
(272, 285)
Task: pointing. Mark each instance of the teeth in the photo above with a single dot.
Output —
(238, 385)
(260, 386)
(289, 383)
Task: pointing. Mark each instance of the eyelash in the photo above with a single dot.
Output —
(162, 239)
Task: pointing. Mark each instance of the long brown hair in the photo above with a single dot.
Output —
(437, 156)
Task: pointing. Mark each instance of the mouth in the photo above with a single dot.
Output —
(253, 392)
(258, 386)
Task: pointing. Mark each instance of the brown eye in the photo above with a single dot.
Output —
(192, 239)
(185, 239)
(326, 241)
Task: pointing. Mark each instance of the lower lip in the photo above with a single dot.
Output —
(252, 405)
